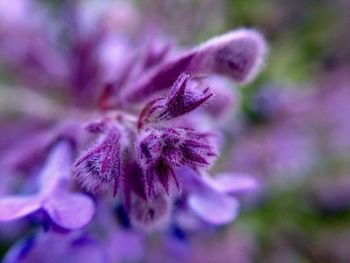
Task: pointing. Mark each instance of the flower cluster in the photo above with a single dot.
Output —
(136, 127)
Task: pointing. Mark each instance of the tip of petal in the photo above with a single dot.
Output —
(214, 208)
(14, 207)
(239, 54)
(70, 211)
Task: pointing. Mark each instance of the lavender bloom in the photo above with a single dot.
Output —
(53, 197)
(130, 98)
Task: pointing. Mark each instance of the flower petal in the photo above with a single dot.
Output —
(238, 54)
(214, 207)
(14, 207)
(70, 211)
(57, 167)
(235, 184)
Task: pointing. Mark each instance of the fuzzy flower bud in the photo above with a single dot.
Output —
(100, 167)
(159, 151)
(150, 212)
(185, 96)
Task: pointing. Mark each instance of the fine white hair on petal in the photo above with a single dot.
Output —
(239, 54)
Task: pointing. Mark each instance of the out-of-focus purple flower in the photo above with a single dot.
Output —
(332, 100)
(331, 193)
(230, 246)
(282, 145)
(53, 195)
(275, 152)
(28, 46)
(233, 246)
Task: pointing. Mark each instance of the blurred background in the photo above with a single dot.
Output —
(291, 126)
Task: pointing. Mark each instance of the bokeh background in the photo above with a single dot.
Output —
(291, 126)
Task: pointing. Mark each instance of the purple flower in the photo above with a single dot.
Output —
(134, 96)
(53, 195)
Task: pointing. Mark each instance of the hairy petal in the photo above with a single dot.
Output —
(100, 167)
(238, 54)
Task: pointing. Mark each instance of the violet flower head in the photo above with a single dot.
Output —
(127, 119)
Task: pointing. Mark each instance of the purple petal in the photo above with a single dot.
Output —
(14, 207)
(205, 200)
(70, 211)
(214, 207)
(238, 54)
(235, 184)
(57, 167)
